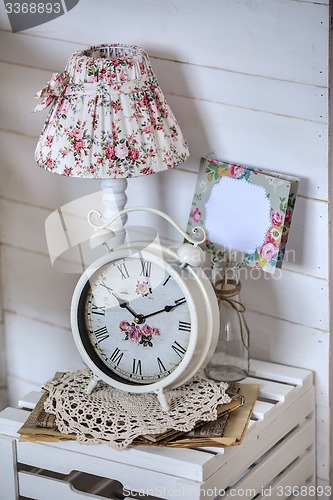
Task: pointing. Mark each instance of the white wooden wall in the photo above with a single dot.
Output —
(3, 384)
(248, 83)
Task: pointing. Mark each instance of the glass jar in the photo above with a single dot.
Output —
(230, 361)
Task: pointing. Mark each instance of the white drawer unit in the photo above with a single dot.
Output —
(276, 458)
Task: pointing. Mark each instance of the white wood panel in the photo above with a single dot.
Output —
(17, 101)
(229, 29)
(29, 400)
(3, 360)
(260, 436)
(325, 484)
(28, 276)
(8, 477)
(28, 183)
(300, 472)
(1, 292)
(260, 409)
(290, 375)
(213, 84)
(51, 349)
(323, 2)
(63, 458)
(291, 344)
(35, 289)
(23, 225)
(272, 390)
(307, 247)
(36, 453)
(323, 442)
(174, 467)
(286, 145)
(287, 296)
(11, 420)
(257, 139)
(17, 387)
(184, 463)
(4, 397)
(3, 364)
(287, 451)
(37, 52)
(38, 487)
(245, 91)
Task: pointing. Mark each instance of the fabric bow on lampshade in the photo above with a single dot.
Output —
(108, 117)
(52, 90)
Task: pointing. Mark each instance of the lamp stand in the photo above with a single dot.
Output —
(113, 201)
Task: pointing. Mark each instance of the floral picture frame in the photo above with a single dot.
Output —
(281, 190)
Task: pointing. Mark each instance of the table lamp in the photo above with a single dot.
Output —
(109, 120)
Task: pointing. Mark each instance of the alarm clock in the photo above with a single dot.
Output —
(145, 317)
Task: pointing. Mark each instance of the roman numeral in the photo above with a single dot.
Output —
(166, 281)
(105, 286)
(179, 349)
(161, 365)
(137, 367)
(145, 268)
(180, 301)
(183, 326)
(116, 356)
(123, 271)
(97, 310)
(101, 334)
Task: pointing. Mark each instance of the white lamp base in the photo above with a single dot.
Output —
(113, 200)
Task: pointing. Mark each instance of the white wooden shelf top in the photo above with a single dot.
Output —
(282, 425)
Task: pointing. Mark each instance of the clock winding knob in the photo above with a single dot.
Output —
(191, 254)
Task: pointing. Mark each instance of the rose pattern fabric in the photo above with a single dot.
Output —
(195, 215)
(108, 117)
(51, 91)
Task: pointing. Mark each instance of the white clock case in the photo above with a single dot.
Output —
(203, 308)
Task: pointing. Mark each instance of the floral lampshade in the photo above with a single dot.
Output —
(108, 118)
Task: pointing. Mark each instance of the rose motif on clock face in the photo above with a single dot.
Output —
(139, 334)
(138, 319)
(143, 288)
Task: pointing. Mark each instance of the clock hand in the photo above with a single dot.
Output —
(166, 308)
(124, 304)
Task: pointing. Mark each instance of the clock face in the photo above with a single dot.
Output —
(137, 319)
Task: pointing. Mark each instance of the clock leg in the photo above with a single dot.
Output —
(92, 384)
(162, 400)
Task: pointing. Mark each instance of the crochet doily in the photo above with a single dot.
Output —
(115, 417)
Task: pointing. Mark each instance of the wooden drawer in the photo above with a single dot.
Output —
(278, 452)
